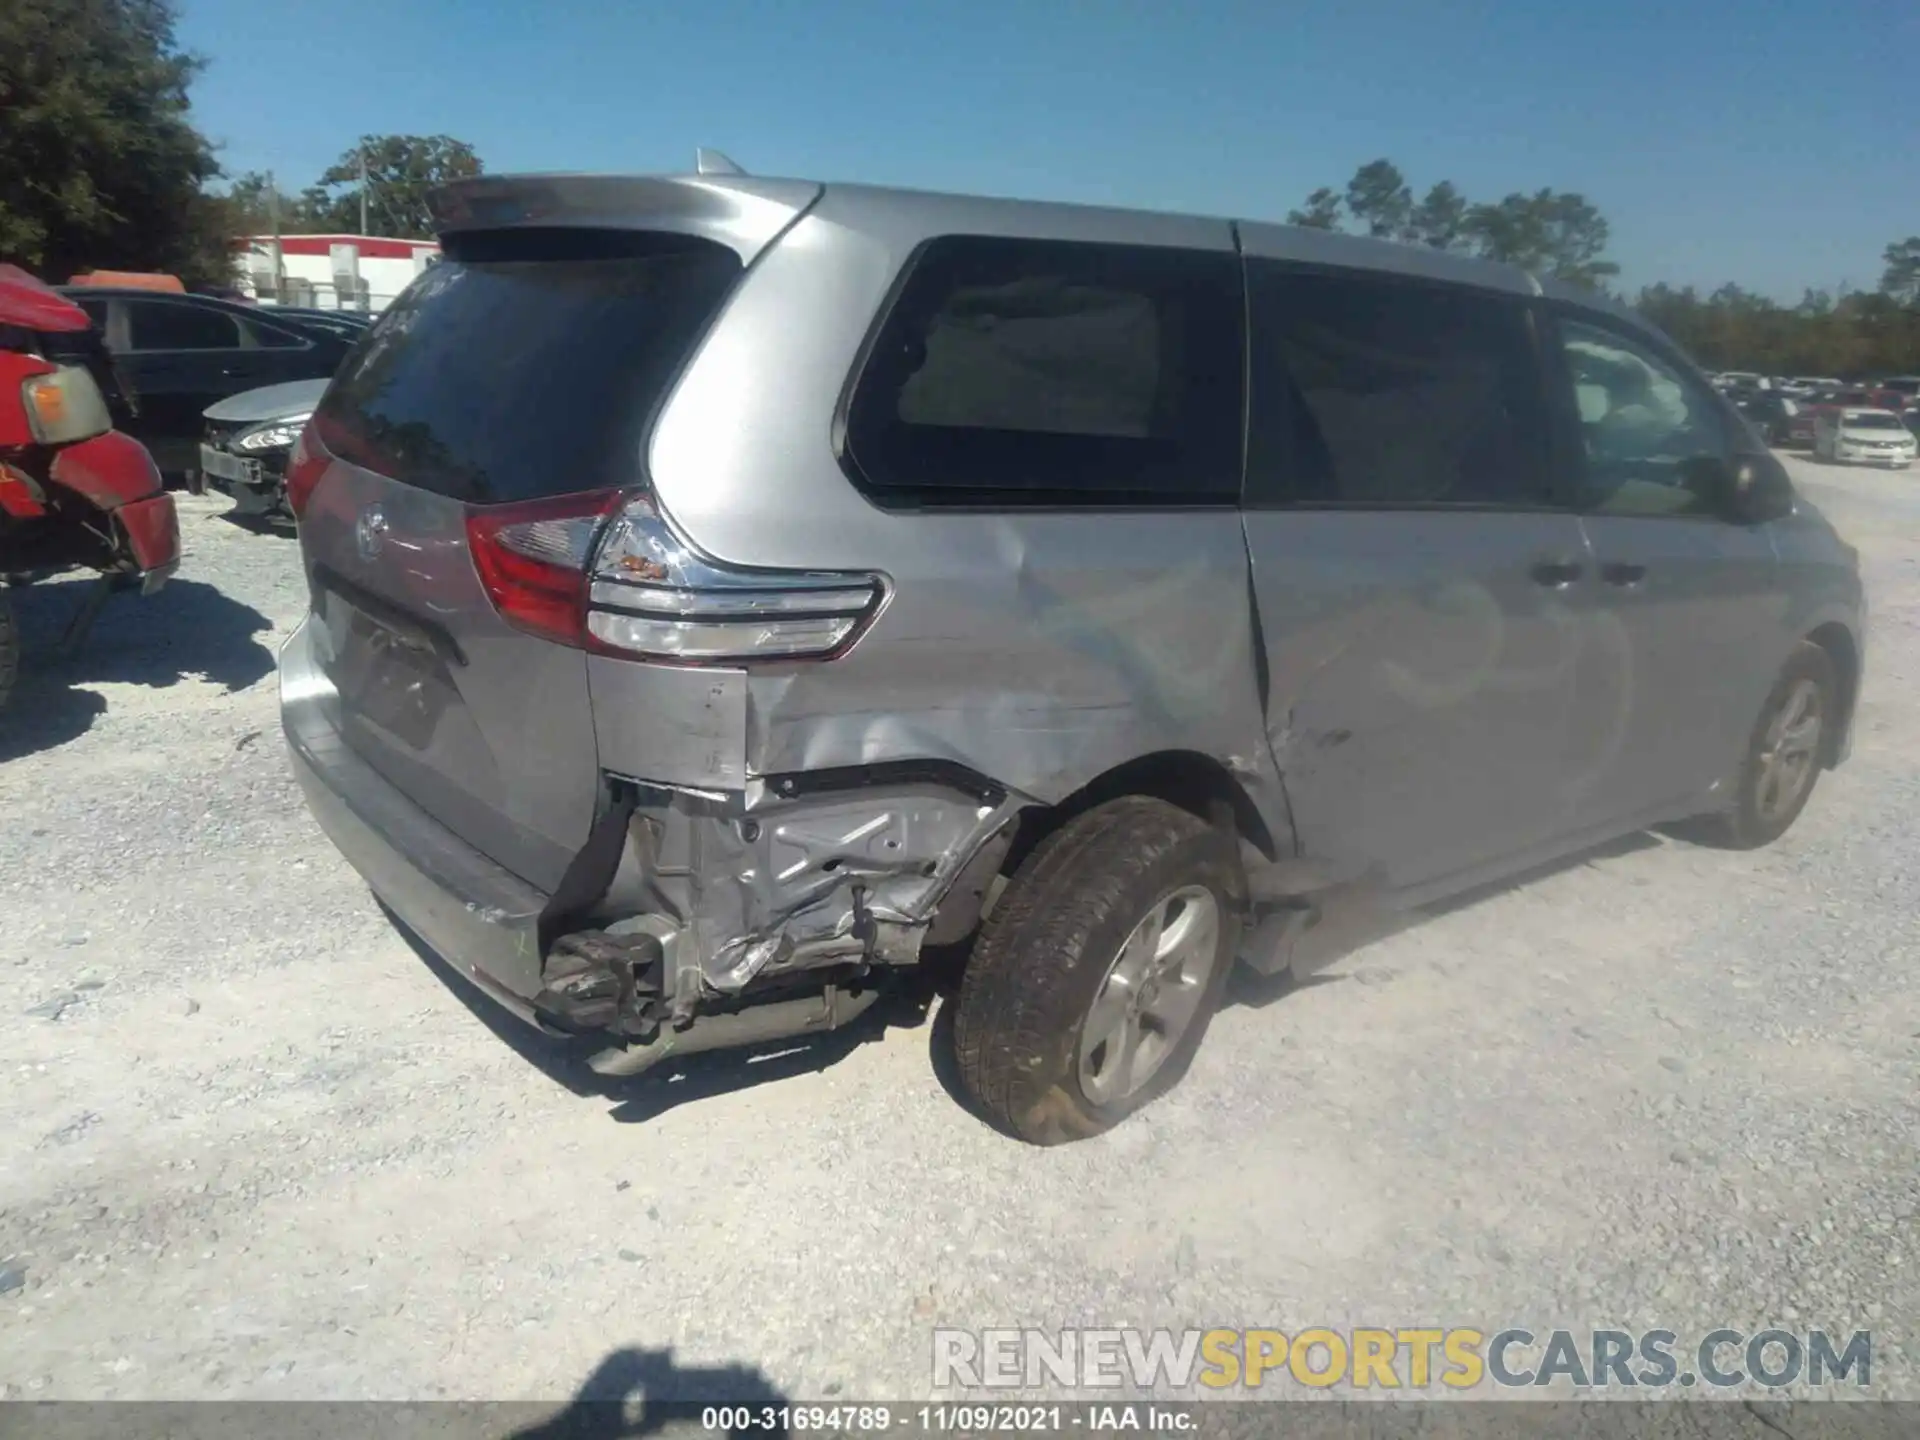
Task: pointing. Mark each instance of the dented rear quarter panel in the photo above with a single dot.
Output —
(1037, 648)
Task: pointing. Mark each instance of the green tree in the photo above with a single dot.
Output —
(401, 170)
(100, 167)
(1439, 220)
(249, 203)
(1552, 232)
(1378, 197)
(1321, 212)
(1901, 281)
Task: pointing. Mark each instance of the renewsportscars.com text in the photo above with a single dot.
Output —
(1400, 1358)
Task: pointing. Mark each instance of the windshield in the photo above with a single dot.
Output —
(1873, 422)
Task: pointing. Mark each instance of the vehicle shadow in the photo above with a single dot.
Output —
(271, 525)
(639, 1098)
(635, 1392)
(189, 628)
(1352, 926)
(925, 1000)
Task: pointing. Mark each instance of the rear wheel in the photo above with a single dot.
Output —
(1784, 754)
(1098, 971)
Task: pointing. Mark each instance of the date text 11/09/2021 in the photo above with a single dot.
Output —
(959, 1419)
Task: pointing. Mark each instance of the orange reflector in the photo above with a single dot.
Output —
(49, 402)
(64, 407)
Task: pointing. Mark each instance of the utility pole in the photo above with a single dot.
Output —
(363, 189)
(273, 217)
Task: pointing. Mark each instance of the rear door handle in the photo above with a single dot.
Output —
(1555, 574)
(1618, 572)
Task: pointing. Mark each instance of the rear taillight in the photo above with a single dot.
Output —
(532, 560)
(628, 586)
(306, 463)
(654, 598)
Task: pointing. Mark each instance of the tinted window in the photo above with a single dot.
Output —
(529, 368)
(1012, 372)
(96, 311)
(271, 337)
(344, 327)
(1374, 391)
(156, 325)
(1645, 426)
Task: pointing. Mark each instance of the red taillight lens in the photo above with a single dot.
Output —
(532, 560)
(306, 463)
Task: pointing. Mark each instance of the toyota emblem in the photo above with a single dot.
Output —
(370, 532)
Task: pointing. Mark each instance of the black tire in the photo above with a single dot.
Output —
(9, 646)
(1750, 822)
(1045, 953)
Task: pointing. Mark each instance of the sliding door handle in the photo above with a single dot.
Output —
(1555, 574)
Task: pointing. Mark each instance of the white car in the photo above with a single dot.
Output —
(1863, 437)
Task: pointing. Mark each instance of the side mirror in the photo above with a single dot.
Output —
(1749, 490)
(1760, 490)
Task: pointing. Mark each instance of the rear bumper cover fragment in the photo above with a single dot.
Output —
(710, 895)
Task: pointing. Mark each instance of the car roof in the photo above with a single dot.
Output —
(170, 297)
(554, 197)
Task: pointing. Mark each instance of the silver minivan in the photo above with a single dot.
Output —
(729, 594)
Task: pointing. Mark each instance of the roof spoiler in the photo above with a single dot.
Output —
(740, 211)
(712, 162)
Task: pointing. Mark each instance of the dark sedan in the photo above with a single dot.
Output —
(1772, 414)
(180, 354)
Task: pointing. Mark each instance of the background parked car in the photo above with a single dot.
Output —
(1907, 387)
(1863, 437)
(1828, 401)
(181, 353)
(1772, 415)
(350, 325)
(73, 491)
(248, 437)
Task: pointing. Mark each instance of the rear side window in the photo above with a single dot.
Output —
(1373, 391)
(1014, 372)
(272, 337)
(527, 365)
(158, 325)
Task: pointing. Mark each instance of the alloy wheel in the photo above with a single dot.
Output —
(1150, 995)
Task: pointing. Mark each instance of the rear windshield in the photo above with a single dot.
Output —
(526, 364)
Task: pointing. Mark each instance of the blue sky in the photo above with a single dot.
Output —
(1773, 144)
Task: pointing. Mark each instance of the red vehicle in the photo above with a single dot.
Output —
(74, 492)
(1832, 402)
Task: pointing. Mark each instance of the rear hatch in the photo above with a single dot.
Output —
(526, 365)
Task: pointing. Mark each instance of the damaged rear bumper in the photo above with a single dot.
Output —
(691, 920)
(476, 915)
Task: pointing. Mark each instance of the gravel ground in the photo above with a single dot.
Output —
(253, 1145)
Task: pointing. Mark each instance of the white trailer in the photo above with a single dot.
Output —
(332, 272)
